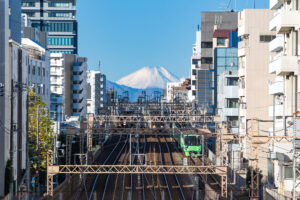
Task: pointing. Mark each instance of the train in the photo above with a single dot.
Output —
(191, 144)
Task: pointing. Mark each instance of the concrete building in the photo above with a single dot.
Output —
(226, 77)
(75, 85)
(57, 86)
(58, 18)
(204, 84)
(253, 53)
(96, 92)
(170, 86)
(195, 65)
(38, 69)
(285, 93)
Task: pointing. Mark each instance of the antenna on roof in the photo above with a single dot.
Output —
(99, 63)
(198, 27)
(254, 4)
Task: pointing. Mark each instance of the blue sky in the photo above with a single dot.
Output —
(129, 34)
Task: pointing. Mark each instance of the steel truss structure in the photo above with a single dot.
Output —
(132, 169)
(152, 119)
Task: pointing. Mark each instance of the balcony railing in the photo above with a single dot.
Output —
(284, 65)
(278, 111)
(284, 21)
(277, 44)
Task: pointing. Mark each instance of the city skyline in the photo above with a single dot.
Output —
(130, 35)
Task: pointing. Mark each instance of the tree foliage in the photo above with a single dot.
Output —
(40, 122)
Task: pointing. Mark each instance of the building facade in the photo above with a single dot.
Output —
(96, 92)
(57, 86)
(38, 69)
(204, 84)
(284, 65)
(226, 77)
(253, 53)
(58, 18)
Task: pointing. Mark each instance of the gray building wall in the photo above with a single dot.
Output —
(69, 62)
(3, 62)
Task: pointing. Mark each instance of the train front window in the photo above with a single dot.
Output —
(192, 140)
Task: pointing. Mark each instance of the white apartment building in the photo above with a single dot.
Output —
(38, 69)
(195, 64)
(285, 93)
(170, 86)
(253, 53)
(96, 92)
(57, 88)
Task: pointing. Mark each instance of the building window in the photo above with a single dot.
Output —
(61, 41)
(60, 14)
(28, 4)
(29, 69)
(193, 82)
(266, 38)
(206, 60)
(194, 72)
(194, 92)
(39, 71)
(33, 70)
(232, 103)
(58, 27)
(30, 14)
(233, 81)
(58, 4)
(221, 41)
(44, 72)
(206, 44)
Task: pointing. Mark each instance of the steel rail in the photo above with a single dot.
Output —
(117, 158)
(96, 179)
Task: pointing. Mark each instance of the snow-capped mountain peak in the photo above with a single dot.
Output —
(148, 77)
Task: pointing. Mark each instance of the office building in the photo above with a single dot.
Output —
(96, 92)
(58, 18)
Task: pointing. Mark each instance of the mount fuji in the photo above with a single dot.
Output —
(148, 79)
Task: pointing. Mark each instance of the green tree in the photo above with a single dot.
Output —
(39, 122)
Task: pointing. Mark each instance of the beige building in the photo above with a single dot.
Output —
(253, 53)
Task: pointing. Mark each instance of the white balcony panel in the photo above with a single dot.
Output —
(284, 65)
(58, 72)
(231, 92)
(57, 90)
(242, 92)
(241, 71)
(56, 62)
(58, 81)
(276, 88)
(278, 111)
(284, 21)
(275, 4)
(231, 111)
(276, 44)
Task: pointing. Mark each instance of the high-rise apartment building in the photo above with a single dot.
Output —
(284, 64)
(254, 55)
(204, 84)
(96, 92)
(57, 88)
(58, 18)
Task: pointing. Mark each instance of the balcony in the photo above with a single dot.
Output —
(243, 48)
(77, 87)
(58, 72)
(276, 87)
(57, 90)
(278, 111)
(77, 77)
(242, 71)
(284, 65)
(277, 44)
(55, 81)
(231, 112)
(284, 21)
(77, 96)
(275, 4)
(242, 92)
(234, 130)
(57, 62)
(76, 106)
(231, 92)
